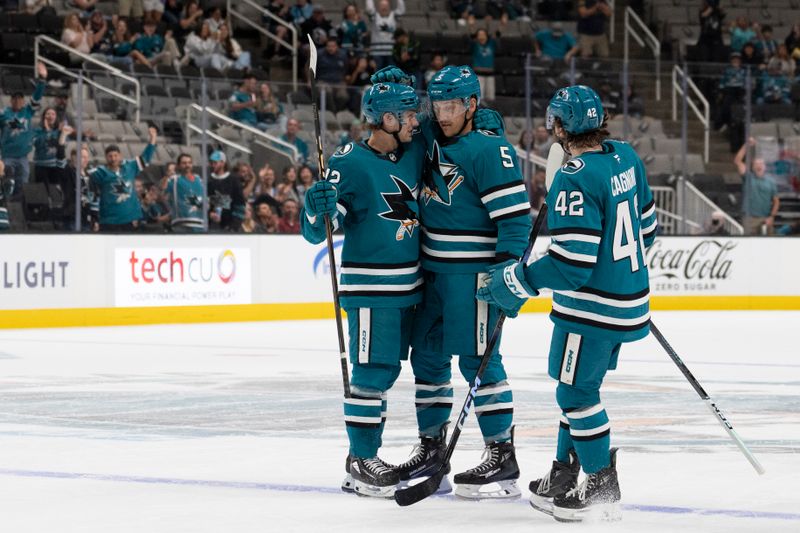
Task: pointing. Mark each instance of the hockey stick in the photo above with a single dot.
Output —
(704, 396)
(420, 491)
(312, 67)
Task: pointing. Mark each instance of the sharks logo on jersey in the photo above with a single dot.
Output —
(220, 199)
(122, 190)
(194, 202)
(402, 208)
(440, 178)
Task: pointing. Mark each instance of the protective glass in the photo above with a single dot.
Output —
(449, 110)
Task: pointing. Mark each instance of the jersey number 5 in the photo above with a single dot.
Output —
(624, 242)
(574, 205)
(506, 157)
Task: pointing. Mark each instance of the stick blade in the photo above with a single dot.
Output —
(555, 160)
(420, 491)
(312, 50)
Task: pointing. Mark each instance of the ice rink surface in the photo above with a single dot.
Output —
(238, 428)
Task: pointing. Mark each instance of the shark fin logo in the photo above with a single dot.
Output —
(440, 178)
(402, 208)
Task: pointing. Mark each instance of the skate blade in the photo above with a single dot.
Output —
(347, 484)
(499, 490)
(444, 487)
(542, 504)
(601, 512)
(371, 491)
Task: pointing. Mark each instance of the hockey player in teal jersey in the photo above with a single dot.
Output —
(475, 212)
(370, 192)
(602, 219)
(120, 209)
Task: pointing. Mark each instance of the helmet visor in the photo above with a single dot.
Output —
(549, 119)
(448, 110)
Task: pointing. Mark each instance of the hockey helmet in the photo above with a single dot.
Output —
(384, 98)
(578, 107)
(454, 82)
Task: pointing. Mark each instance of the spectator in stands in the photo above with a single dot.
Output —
(751, 58)
(742, 31)
(301, 11)
(766, 45)
(542, 140)
(280, 9)
(191, 20)
(353, 32)
(184, 196)
(6, 186)
(172, 13)
(248, 224)
(361, 69)
(154, 207)
(120, 209)
(716, 225)
(592, 38)
(87, 7)
(131, 8)
(774, 87)
(732, 88)
(266, 220)
(292, 127)
(761, 202)
(483, 52)
(319, 27)
(203, 49)
(101, 36)
(306, 180)
(289, 221)
(47, 139)
(782, 62)
(244, 102)
(265, 186)
(354, 134)
(122, 50)
(504, 10)
(225, 198)
(89, 199)
(465, 11)
(555, 44)
(215, 20)
(525, 141)
(169, 171)
(287, 188)
(792, 42)
(438, 61)
(156, 49)
(34, 7)
(16, 130)
(153, 10)
(406, 52)
(384, 23)
(711, 22)
(268, 109)
(75, 35)
(331, 69)
(234, 55)
(537, 191)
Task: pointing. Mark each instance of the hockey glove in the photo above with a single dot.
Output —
(489, 119)
(392, 74)
(505, 286)
(321, 199)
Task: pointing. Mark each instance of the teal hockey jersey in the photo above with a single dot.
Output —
(185, 199)
(602, 218)
(119, 203)
(475, 209)
(16, 127)
(379, 216)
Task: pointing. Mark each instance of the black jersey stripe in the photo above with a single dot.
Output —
(596, 324)
(650, 233)
(584, 231)
(572, 262)
(434, 405)
(614, 296)
(592, 437)
(361, 425)
(458, 259)
(513, 214)
(500, 187)
(462, 232)
(649, 204)
(509, 411)
(387, 266)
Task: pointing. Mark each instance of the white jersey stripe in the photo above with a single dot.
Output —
(586, 258)
(585, 413)
(649, 212)
(499, 389)
(589, 432)
(651, 227)
(502, 192)
(638, 321)
(389, 288)
(458, 238)
(437, 253)
(510, 209)
(433, 388)
(363, 402)
(581, 237)
(435, 399)
(363, 419)
(494, 407)
(622, 304)
(380, 271)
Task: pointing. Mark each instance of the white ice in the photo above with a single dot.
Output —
(238, 428)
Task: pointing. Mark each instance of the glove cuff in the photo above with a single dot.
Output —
(517, 286)
(312, 219)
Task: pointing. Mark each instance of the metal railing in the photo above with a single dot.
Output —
(664, 198)
(652, 42)
(261, 138)
(292, 47)
(699, 208)
(703, 116)
(612, 4)
(668, 223)
(135, 100)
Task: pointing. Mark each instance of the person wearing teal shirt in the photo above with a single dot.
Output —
(184, 194)
(555, 44)
(483, 53)
(761, 202)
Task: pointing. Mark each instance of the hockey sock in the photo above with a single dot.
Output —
(434, 401)
(591, 433)
(494, 407)
(564, 440)
(363, 417)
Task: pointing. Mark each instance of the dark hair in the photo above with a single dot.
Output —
(588, 139)
(184, 154)
(57, 124)
(17, 94)
(112, 148)
(766, 27)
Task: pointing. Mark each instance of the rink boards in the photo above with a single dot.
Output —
(88, 280)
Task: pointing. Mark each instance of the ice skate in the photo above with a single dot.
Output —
(496, 477)
(561, 478)
(425, 460)
(372, 477)
(595, 499)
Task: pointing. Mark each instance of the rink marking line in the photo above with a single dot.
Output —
(277, 487)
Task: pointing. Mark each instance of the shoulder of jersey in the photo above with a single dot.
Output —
(349, 156)
(344, 150)
(573, 166)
